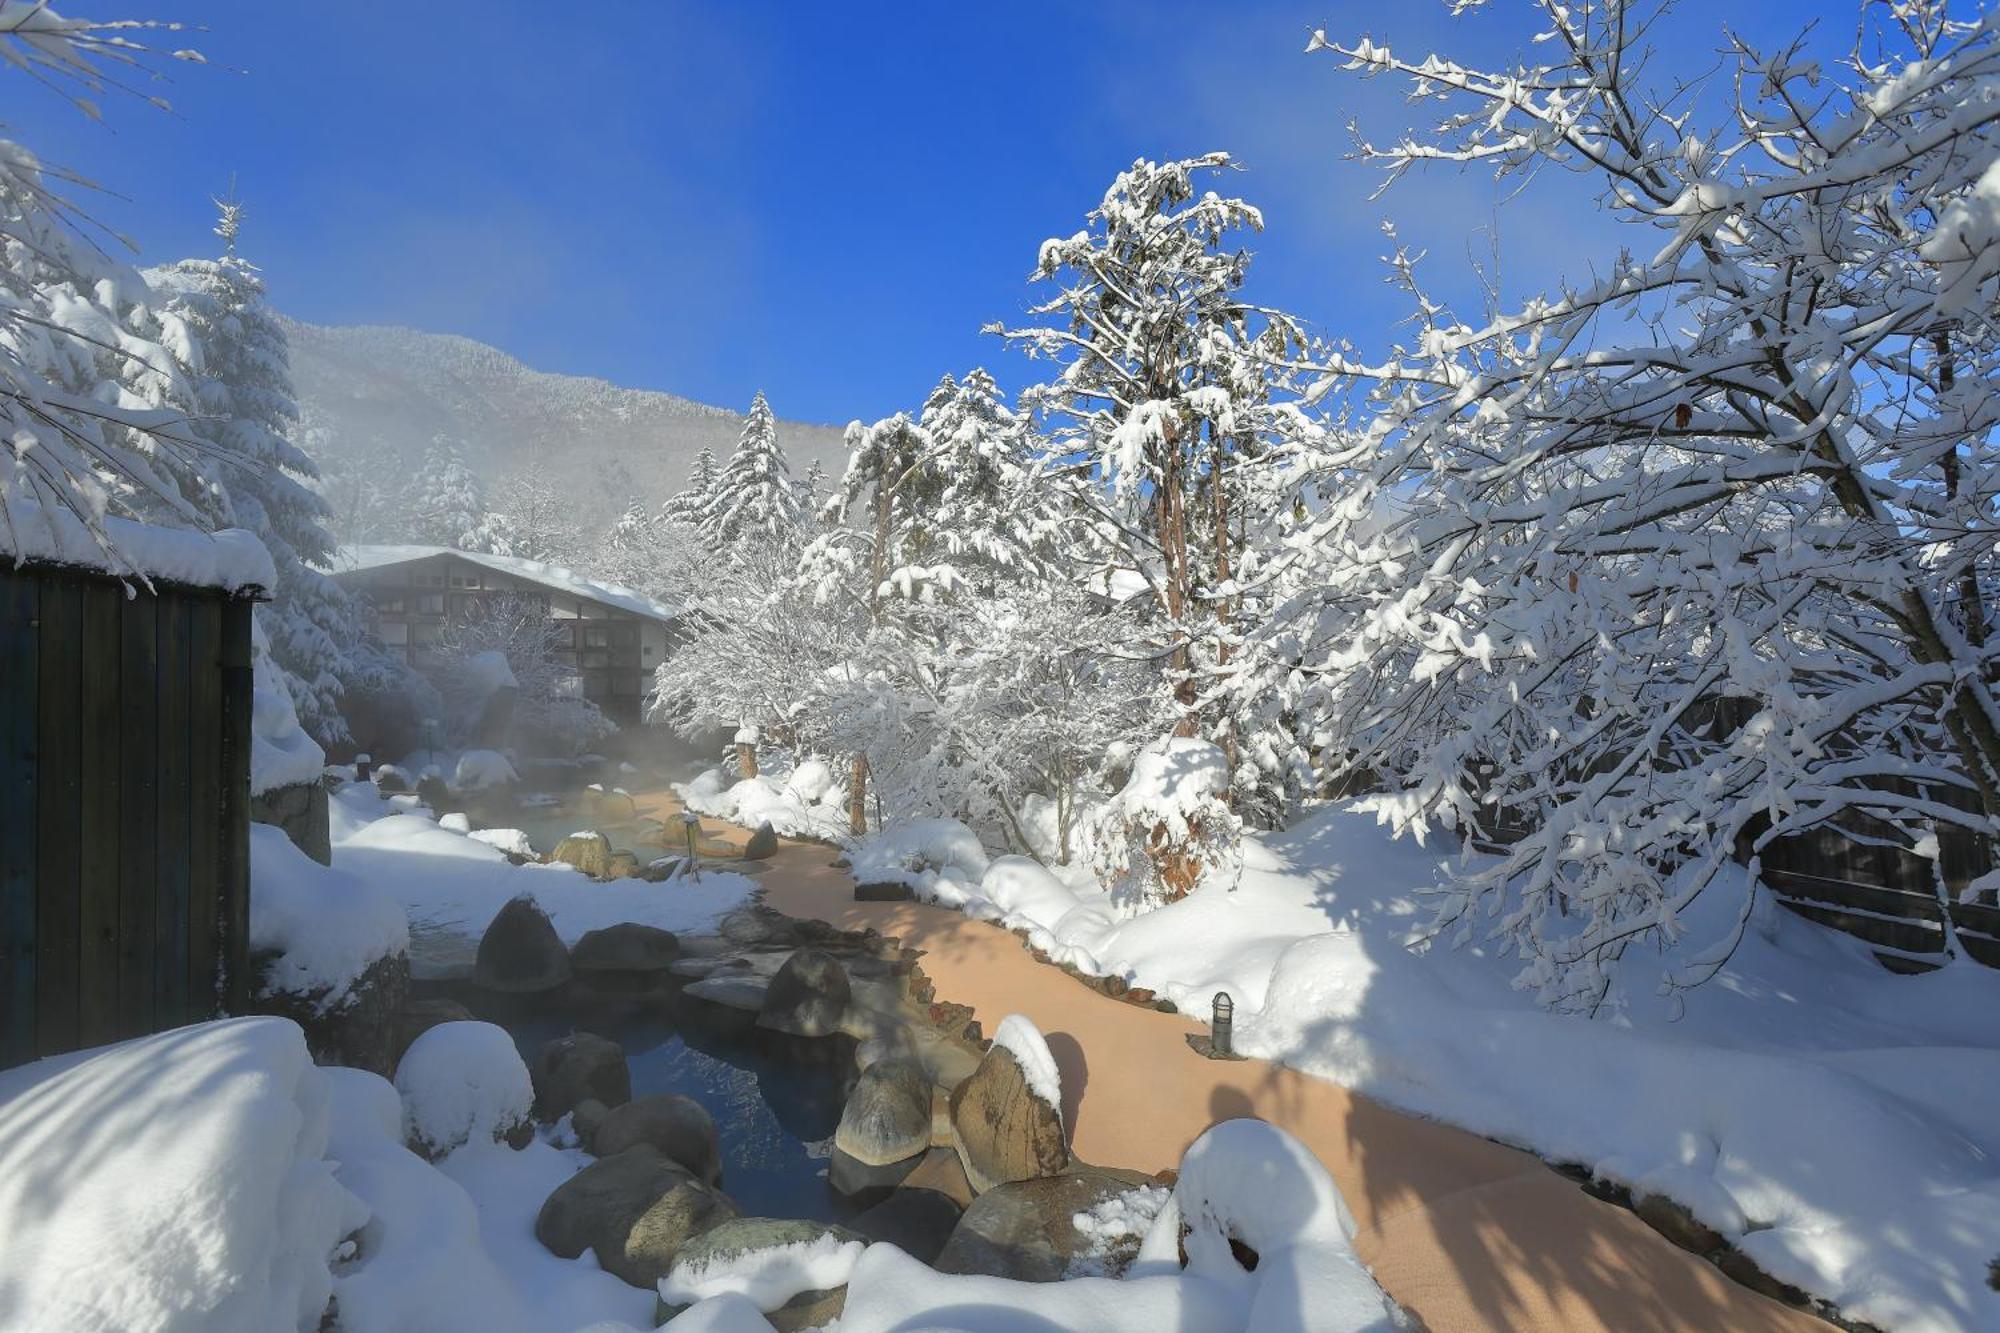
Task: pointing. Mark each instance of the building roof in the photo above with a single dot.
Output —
(232, 559)
(355, 559)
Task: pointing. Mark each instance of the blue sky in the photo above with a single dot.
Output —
(826, 202)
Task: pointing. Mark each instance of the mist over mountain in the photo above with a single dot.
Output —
(373, 398)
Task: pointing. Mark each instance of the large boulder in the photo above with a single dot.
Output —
(361, 1031)
(627, 947)
(588, 851)
(520, 951)
(916, 1221)
(739, 1246)
(1003, 1129)
(888, 1115)
(763, 843)
(1026, 1230)
(571, 1069)
(808, 997)
(624, 865)
(849, 1176)
(635, 1211)
(679, 1127)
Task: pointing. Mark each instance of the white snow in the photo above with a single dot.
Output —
(810, 780)
(1118, 1223)
(176, 1183)
(281, 753)
(231, 559)
(326, 926)
(462, 1082)
(534, 571)
(766, 799)
(505, 839)
(891, 1290)
(480, 769)
(1966, 244)
(451, 884)
(767, 1278)
(941, 859)
(456, 823)
(1817, 1109)
(1023, 1040)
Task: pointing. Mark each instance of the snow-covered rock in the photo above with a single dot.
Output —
(479, 769)
(177, 1183)
(325, 927)
(463, 1083)
(940, 859)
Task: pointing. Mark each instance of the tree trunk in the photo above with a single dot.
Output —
(857, 796)
(746, 759)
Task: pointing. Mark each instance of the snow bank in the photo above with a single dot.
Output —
(174, 1183)
(325, 926)
(231, 559)
(1023, 1040)
(456, 883)
(767, 799)
(462, 1082)
(509, 840)
(890, 1290)
(1746, 1106)
(479, 769)
(941, 859)
(281, 754)
(766, 1278)
(451, 1248)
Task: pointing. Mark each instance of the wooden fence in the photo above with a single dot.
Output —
(124, 808)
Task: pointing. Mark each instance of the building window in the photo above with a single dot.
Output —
(395, 633)
(390, 605)
(595, 636)
(647, 650)
(431, 604)
(596, 659)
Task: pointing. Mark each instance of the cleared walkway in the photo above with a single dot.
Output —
(1465, 1233)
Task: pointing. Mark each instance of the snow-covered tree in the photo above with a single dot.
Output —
(447, 503)
(691, 503)
(526, 516)
(1701, 553)
(755, 494)
(86, 385)
(236, 358)
(1164, 410)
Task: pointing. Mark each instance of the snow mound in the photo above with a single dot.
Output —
(177, 1183)
(941, 859)
(281, 754)
(326, 927)
(510, 840)
(810, 781)
(1023, 1040)
(1250, 1181)
(766, 1278)
(767, 800)
(479, 769)
(1026, 893)
(457, 823)
(891, 1290)
(462, 1082)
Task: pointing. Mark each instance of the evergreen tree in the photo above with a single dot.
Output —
(755, 495)
(690, 503)
(236, 359)
(448, 507)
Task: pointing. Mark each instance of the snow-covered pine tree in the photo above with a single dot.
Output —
(1166, 418)
(447, 505)
(691, 503)
(1701, 553)
(812, 491)
(755, 494)
(84, 378)
(238, 363)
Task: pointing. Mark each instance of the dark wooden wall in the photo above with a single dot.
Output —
(124, 808)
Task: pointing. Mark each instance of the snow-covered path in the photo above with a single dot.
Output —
(1466, 1233)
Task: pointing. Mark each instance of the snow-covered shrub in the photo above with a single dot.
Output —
(177, 1183)
(941, 859)
(322, 927)
(763, 799)
(480, 769)
(810, 779)
(1169, 830)
(462, 1082)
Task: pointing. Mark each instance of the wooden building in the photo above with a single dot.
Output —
(612, 638)
(125, 738)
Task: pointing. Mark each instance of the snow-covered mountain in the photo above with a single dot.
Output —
(373, 398)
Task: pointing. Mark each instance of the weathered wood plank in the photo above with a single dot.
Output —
(58, 818)
(20, 695)
(205, 789)
(170, 911)
(1908, 936)
(234, 734)
(98, 801)
(139, 814)
(1860, 897)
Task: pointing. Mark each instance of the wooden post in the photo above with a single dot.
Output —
(746, 759)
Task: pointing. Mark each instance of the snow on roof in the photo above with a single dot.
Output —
(353, 559)
(232, 559)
